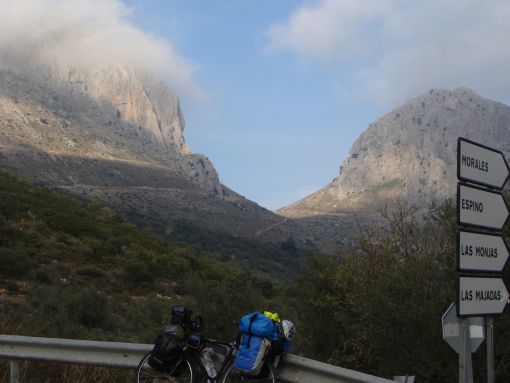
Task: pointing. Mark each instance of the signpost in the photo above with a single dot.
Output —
(481, 252)
(481, 207)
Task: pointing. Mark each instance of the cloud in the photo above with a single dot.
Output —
(86, 33)
(318, 31)
(391, 50)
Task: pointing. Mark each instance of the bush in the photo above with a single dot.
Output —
(91, 272)
(384, 304)
(136, 271)
(67, 312)
(13, 262)
(43, 277)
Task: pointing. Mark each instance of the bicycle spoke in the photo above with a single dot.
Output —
(147, 374)
(153, 376)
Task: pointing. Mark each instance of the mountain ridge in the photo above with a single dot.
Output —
(116, 134)
(408, 155)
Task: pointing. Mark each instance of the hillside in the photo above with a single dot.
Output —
(79, 270)
(75, 270)
(116, 134)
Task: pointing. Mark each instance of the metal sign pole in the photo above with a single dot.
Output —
(462, 353)
(465, 364)
(490, 350)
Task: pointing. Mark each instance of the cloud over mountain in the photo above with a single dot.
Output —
(417, 45)
(86, 33)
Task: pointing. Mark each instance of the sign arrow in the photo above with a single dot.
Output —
(481, 252)
(482, 208)
(481, 165)
(479, 296)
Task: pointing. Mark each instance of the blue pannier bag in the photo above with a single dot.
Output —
(251, 354)
(258, 324)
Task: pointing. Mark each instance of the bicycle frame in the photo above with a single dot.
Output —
(194, 354)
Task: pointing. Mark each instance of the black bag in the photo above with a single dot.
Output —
(181, 316)
(166, 352)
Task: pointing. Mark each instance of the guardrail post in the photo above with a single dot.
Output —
(14, 371)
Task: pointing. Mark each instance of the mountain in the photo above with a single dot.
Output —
(410, 155)
(115, 134)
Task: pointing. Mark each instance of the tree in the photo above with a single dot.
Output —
(383, 306)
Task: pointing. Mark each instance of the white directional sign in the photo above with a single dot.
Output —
(451, 329)
(481, 208)
(478, 296)
(482, 165)
(481, 252)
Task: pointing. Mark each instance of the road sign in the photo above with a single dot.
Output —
(481, 296)
(482, 208)
(451, 327)
(481, 252)
(481, 165)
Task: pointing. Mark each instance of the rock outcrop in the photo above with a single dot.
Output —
(409, 154)
(116, 134)
(111, 113)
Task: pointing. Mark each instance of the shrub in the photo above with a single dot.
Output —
(137, 271)
(13, 262)
(91, 272)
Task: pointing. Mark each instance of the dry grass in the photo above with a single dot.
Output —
(39, 372)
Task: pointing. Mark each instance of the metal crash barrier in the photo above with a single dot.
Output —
(127, 355)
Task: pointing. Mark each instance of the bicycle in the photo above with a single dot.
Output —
(189, 368)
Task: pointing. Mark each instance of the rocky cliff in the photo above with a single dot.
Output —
(113, 113)
(116, 134)
(409, 154)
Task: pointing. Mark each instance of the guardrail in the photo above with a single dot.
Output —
(127, 355)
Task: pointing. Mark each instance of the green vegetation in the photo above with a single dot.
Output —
(75, 270)
(280, 260)
(384, 305)
(380, 309)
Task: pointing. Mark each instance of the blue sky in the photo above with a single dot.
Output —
(275, 92)
(276, 128)
(288, 86)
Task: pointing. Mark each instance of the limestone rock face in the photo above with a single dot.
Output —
(116, 134)
(409, 154)
(137, 99)
(106, 112)
(415, 146)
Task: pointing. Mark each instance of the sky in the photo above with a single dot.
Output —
(275, 92)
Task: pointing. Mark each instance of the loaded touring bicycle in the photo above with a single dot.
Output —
(182, 354)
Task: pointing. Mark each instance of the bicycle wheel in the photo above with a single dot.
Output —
(182, 372)
(267, 375)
